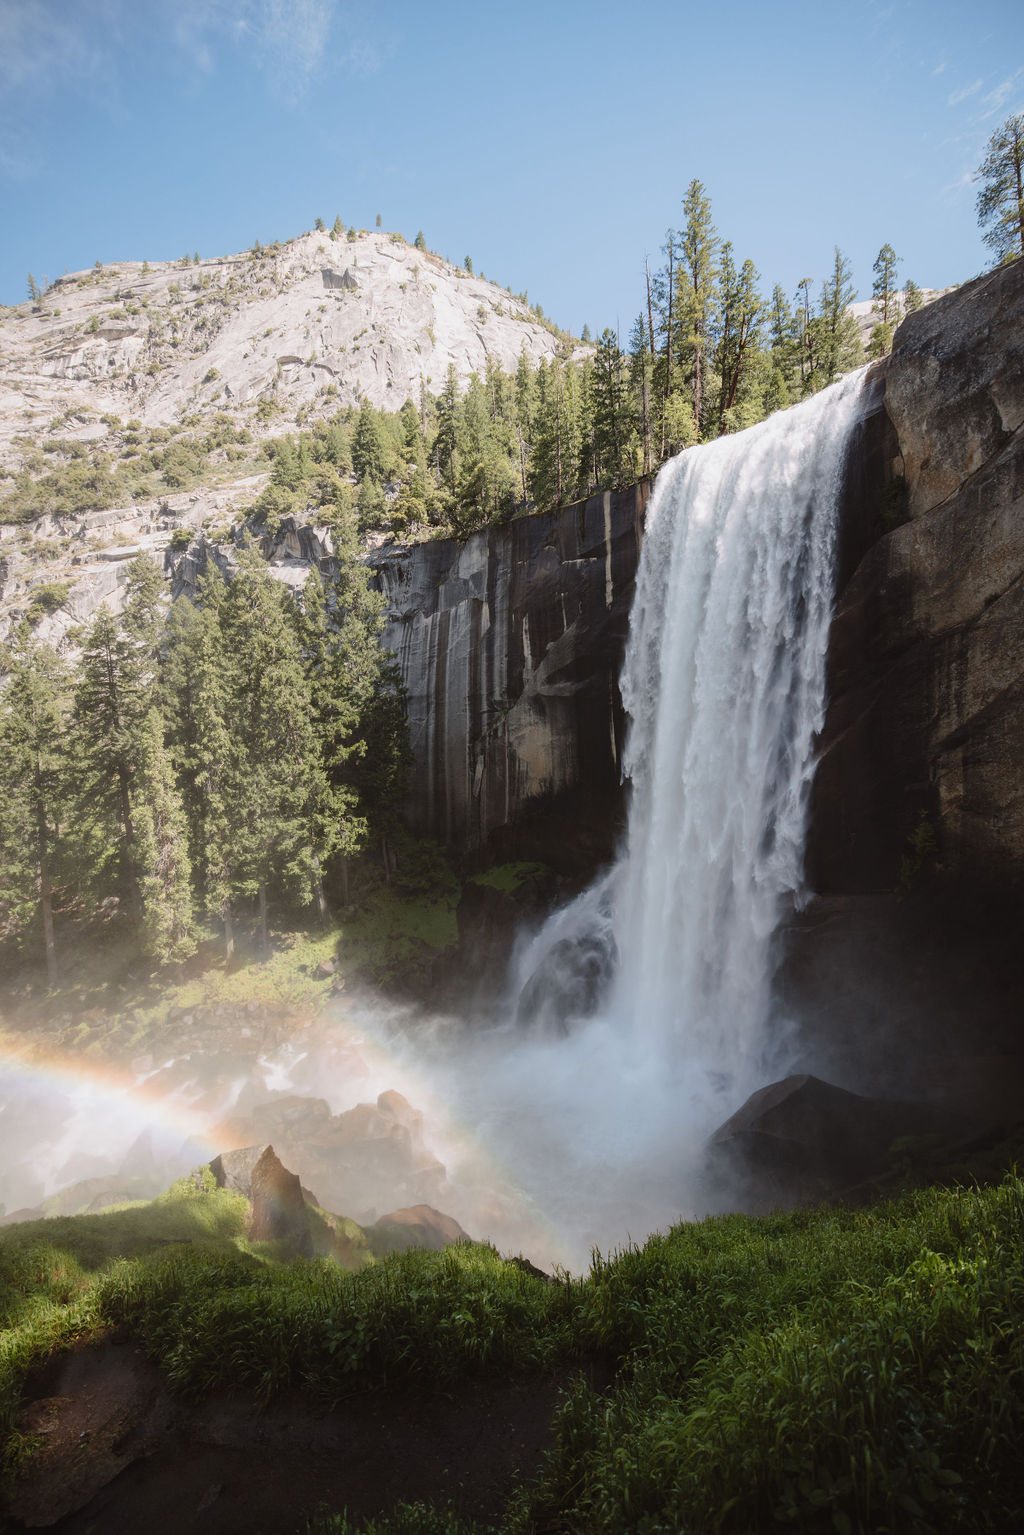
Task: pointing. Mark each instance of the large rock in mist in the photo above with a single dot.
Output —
(802, 1140)
(277, 1208)
(368, 1158)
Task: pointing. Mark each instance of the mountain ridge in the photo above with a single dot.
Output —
(307, 326)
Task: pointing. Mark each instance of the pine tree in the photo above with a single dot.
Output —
(785, 347)
(525, 410)
(884, 293)
(739, 339)
(1001, 199)
(447, 428)
(641, 373)
(339, 655)
(112, 697)
(161, 850)
(419, 242)
(370, 457)
(839, 346)
(34, 708)
(194, 691)
(611, 411)
(696, 294)
(274, 752)
(912, 296)
(806, 335)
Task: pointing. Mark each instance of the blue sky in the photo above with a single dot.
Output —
(553, 142)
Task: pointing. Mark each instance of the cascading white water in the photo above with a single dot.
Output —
(724, 683)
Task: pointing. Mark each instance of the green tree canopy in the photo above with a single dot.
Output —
(1001, 198)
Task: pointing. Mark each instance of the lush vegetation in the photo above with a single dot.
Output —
(829, 1371)
(707, 354)
(63, 476)
(1001, 197)
(201, 761)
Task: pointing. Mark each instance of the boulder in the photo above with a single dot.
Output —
(803, 1140)
(370, 1157)
(416, 1226)
(277, 1209)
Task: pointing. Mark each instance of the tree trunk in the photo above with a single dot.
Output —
(650, 311)
(264, 938)
(318, 890)
(668, 352)
(46, 897)
(229, 935)
(129, 844)
(386, 858)
(344, 882)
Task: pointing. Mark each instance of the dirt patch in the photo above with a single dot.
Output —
(119, 1455)
(94, 1410)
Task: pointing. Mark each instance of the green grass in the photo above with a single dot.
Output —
(126, 1001)
(824, 1372)
(820, 1371)
(508, 877)
(52, 1272)
(393, 931)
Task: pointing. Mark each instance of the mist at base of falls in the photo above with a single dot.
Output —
(640, 1016)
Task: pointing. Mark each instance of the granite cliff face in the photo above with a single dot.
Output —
(905, 971)
(510, 645)
(926, 723)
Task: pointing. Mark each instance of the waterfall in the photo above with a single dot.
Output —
(724, 685)
(640, 1016)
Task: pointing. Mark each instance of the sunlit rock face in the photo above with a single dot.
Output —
(510, 644)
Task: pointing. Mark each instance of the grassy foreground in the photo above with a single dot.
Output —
(831, 1371)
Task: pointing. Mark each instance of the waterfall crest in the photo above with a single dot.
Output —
(724, 685)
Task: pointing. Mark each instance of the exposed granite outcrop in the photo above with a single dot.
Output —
(510, 645)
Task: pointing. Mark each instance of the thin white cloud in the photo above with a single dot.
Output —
(959, 184)
(42, 44)
(289, 40)
(994, 100)
(956, 97)
(53, 48)
(940, 68)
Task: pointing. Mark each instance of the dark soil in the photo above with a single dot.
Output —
(120, 1454)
